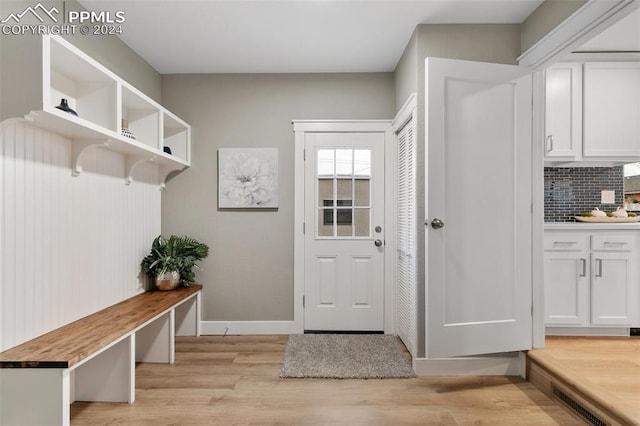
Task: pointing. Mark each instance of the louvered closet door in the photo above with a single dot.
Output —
(406, 279)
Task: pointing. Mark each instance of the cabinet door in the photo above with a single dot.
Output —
(611, 109)
(612, 294)
(566, 286)
(563, 111)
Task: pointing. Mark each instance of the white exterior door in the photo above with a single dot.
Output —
(344, 238)
(478, 180)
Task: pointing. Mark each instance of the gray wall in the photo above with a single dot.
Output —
(545, 18)
(406, 72)
(249, 274)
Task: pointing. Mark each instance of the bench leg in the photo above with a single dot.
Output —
(110, 376)
(156, 341)
(188, 317)
(34, 396)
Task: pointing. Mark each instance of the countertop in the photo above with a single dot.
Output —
(577, 226)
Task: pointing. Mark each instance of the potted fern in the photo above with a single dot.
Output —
(171, 261)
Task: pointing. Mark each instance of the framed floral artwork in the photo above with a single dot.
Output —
(247, 178)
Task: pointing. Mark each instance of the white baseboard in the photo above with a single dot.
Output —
(493, 365)
(213, 328)
(588, 331)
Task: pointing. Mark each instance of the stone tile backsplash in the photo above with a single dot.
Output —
(569, 191)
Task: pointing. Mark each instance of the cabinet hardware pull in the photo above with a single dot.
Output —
(549, 143)
(615, 243)
(599, 268)
(583, 267)
(564, 243)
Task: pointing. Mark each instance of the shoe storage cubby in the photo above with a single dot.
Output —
(111, 113)
(85, 86)
(142, 116)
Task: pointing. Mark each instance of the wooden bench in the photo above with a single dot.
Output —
(93, 358)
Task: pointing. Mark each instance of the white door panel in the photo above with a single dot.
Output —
(344, 203)
(478, 131)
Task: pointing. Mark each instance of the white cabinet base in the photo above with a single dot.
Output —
(591, 285)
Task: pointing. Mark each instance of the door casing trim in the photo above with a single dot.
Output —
(300, 127)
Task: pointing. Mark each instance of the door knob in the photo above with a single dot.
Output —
(437, 223)
(378, 243)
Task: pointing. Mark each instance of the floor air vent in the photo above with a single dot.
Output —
(578, 408)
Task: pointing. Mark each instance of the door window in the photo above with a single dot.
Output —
(343, 187)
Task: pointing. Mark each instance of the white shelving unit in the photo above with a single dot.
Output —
(102, 100)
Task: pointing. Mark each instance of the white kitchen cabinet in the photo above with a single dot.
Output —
(566, 278)
(563, 111)
(611, 109)
(591, 113)
(611, 288)
(614, 281)
(590, 280)
(566, 288)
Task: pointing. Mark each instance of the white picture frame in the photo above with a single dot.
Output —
(248, 178)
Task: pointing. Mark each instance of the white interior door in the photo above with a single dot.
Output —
(478, 180)
(344, 239)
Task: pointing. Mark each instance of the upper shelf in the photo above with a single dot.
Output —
(111, 113)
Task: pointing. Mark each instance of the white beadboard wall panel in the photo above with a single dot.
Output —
(68, 245)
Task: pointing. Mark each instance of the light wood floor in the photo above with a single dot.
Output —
(605, 369)
(234, 380)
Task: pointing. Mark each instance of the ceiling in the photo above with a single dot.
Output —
(266, 36)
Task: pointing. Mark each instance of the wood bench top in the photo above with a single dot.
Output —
(71, 343)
